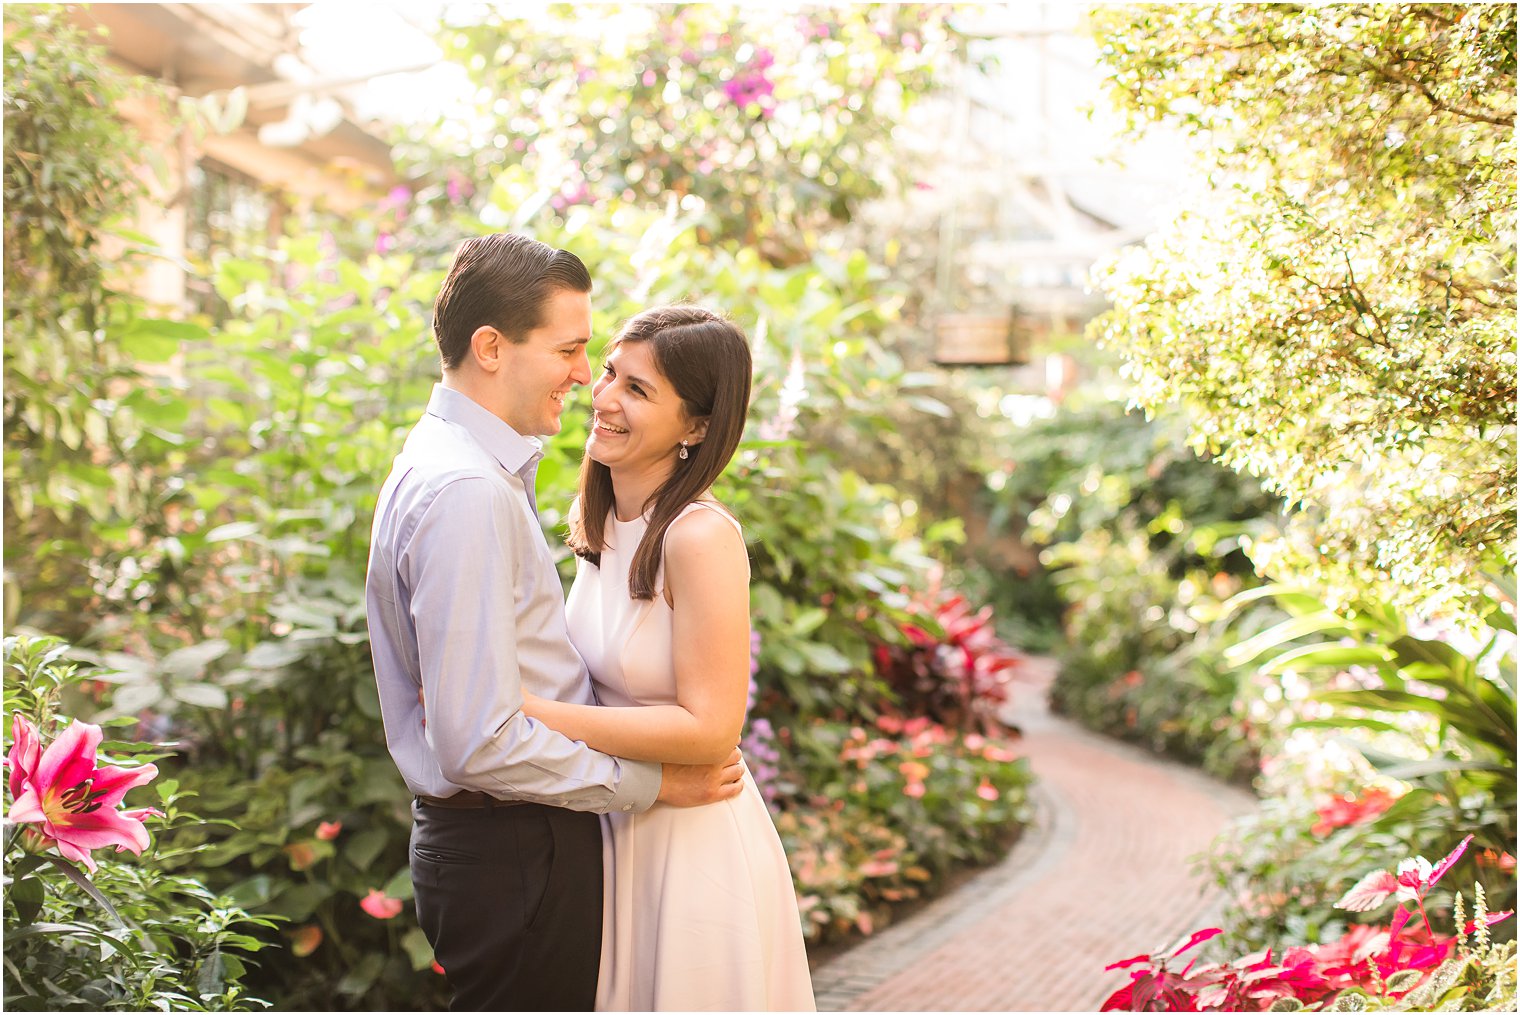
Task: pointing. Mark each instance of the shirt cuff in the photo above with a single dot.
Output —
(637, 789)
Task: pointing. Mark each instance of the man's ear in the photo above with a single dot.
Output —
(486, 348)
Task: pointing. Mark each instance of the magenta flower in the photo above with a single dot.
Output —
(72, 797)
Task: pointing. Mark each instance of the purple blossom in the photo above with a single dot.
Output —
(750, 85)
(763, 759)
(744, 89)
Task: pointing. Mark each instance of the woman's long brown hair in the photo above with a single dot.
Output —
(706, 359)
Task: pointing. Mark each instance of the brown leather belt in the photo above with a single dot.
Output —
(467, 800)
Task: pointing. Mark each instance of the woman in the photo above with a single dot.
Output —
(700, 909)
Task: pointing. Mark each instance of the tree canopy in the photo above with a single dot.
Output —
(1337, 309)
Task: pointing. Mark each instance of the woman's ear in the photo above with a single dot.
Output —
(486, 348)
(697, 432)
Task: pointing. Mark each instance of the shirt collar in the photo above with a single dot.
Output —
(514, 451)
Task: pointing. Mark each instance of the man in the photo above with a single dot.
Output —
(466, 614)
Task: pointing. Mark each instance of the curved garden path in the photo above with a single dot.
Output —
(1102, 874)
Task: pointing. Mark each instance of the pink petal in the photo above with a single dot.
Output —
(25, 750)
(70, 759)
(101, 828)
(72, 852)
(111, 783)
(143, 812)
(1369, 893)
(27, 807)
(1447, 862)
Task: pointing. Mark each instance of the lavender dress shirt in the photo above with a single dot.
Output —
(463, 601)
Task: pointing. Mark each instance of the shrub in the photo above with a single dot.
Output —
(1407, 967)
(873, 816)
(129, 935)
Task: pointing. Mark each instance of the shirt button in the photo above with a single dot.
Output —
(628, 807)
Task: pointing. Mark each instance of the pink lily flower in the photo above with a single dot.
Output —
(73, 798)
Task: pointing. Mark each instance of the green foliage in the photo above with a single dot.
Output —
(1143, 543)
(134, 936)
(1337, 312)
(776, 122)
(1373, 667)
(88, 417)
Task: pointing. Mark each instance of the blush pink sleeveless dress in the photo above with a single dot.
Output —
(700, 913)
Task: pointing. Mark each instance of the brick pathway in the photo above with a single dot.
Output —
(1103, 873)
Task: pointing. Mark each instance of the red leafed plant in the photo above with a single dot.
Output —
(955, 669)
(1389, 962)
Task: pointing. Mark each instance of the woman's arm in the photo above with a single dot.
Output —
(707, 574)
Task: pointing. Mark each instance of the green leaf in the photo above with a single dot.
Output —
(400, 884)
(27, 894)
(201, 695)
(79, 878)
(807, 622)
(1328, 655)
(415, 943)
(363, 976)
(824, 658)
(1295, 627)
(363, 849)
(232, 530)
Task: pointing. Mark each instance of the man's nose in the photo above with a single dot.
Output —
(581, 374)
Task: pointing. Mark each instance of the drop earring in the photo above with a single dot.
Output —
(684, 453)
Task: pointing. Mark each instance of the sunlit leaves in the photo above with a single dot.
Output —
(1337, 313)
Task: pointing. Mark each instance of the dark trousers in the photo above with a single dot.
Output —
(511, 900)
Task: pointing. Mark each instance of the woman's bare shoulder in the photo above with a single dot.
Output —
(710, 529)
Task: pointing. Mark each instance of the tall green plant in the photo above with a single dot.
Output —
(1337, 310)
(1470, 695)
(92, 427)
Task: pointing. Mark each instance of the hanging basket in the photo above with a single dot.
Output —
(990, 338)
